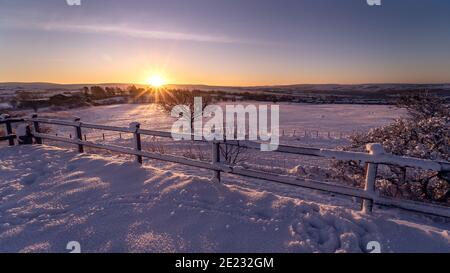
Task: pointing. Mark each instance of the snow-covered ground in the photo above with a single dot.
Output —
(296, 117)
(299, 122)
(50, 196)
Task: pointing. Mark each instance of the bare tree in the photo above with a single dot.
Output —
(233, 154)
(168, 99)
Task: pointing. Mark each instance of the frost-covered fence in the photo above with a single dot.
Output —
(8, 121)
(372, 159)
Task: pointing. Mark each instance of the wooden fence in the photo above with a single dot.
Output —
(9, 132)
(372, 159)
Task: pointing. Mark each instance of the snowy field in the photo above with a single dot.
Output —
(323, 126)
(50, 196)
(324, 118)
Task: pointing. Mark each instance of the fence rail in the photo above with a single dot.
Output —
(8, 121)
(372, 159)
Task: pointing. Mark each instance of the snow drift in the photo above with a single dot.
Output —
(50, 196)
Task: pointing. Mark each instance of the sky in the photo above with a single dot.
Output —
(225, 42)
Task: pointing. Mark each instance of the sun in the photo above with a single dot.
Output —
(156, 81)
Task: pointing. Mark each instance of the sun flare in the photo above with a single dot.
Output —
(156, 81)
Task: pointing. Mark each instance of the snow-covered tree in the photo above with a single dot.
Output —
(424, 133)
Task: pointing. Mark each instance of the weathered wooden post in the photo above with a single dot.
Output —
(9, 130)
(215, 154)
(36, 128)
(371, 177)
(78, 134)
(134, 127)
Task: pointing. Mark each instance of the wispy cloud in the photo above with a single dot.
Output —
(141, 33)
(130, 31)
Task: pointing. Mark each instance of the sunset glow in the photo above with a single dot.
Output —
(156, 81)
(364, 44)
(226, 127)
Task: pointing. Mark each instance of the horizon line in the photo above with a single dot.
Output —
(220, 85)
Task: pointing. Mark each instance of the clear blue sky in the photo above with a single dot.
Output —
(229, 42)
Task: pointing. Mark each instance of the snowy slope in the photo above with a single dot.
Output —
(50, 196)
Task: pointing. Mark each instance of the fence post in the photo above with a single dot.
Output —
(78, 134)
(9, 130)
(215, 154)
(371, 176)
(36, 128)
(134, 127)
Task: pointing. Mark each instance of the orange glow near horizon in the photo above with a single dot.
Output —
(156, 81)
(182, 73)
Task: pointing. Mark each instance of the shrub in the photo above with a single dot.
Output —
(424, 133)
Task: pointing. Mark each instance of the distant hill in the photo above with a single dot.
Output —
(281, 88)
(295, 92)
